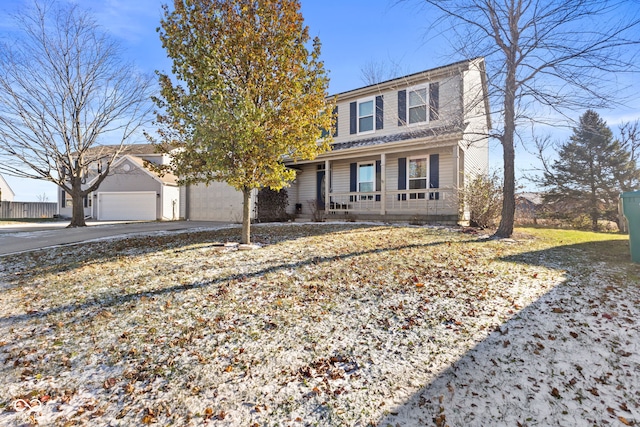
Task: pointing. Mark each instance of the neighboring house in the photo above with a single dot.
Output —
(131, 191)
(6, 193)
(402, 148)
(528, 207)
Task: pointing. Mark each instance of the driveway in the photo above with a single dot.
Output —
(28, 237)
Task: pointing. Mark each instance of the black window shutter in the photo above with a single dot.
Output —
(379, 112)
(63, 203)
(378, 178)
(434, 101)
(353, 118)
(85, 200)
(353, 179)
(402, 177)
(402, 107)
(335, 114)
(434, 175)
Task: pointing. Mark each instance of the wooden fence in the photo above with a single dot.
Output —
(18, 210)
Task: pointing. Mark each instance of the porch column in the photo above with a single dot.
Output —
(327, 189)
(383, 184)
(456, 179)
(456, 166)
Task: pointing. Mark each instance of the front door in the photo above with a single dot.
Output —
(320, 189)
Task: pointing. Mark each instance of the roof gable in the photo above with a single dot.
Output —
(4, 186)
(139, 163)
(412, 79)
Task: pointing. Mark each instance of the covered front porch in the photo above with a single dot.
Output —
(434, 202)
(416, 184)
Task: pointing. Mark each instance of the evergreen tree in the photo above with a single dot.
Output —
(586, 176)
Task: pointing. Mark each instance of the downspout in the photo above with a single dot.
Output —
(456, 181)
(187, 207)
(383, 184)
(327, 188)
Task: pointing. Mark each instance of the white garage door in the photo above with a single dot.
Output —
(133, 205)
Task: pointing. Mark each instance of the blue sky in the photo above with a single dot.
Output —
(352, 32)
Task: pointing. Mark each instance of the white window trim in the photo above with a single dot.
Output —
(371, 99)
(67, 197)
(427, 157)
(413, 89)
(371, 163)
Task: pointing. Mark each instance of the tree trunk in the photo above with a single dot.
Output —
(246, 216)
(505, 229)
(594, 212)
(77, 215)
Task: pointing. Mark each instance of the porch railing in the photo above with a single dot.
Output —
(434, 201)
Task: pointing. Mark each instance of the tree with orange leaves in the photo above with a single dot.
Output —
(245, 94)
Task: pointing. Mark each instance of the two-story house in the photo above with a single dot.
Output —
(402, 148)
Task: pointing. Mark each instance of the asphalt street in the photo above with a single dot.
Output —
(28, 237)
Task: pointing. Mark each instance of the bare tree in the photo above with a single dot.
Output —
(374, 72)
(543, 56)
(630, 142)
(67, 100)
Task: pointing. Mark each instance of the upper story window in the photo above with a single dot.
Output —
(326, 132)
(365, 116)
(418, 105)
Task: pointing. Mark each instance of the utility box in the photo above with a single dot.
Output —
(631, 210)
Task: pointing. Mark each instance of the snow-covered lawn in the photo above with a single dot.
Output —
(325, 324)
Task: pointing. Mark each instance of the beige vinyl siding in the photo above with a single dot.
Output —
(343, 122)
(216, 202)
(305, 188)
(445, 160)
(450, 105)
(392, 172)
(476, 142)
(450, 110)
(477, 159)
(341, 174)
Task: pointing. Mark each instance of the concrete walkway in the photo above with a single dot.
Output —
(25, 237)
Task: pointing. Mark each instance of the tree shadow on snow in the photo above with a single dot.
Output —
(67, 258)
(102, 302)
(562, 360)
